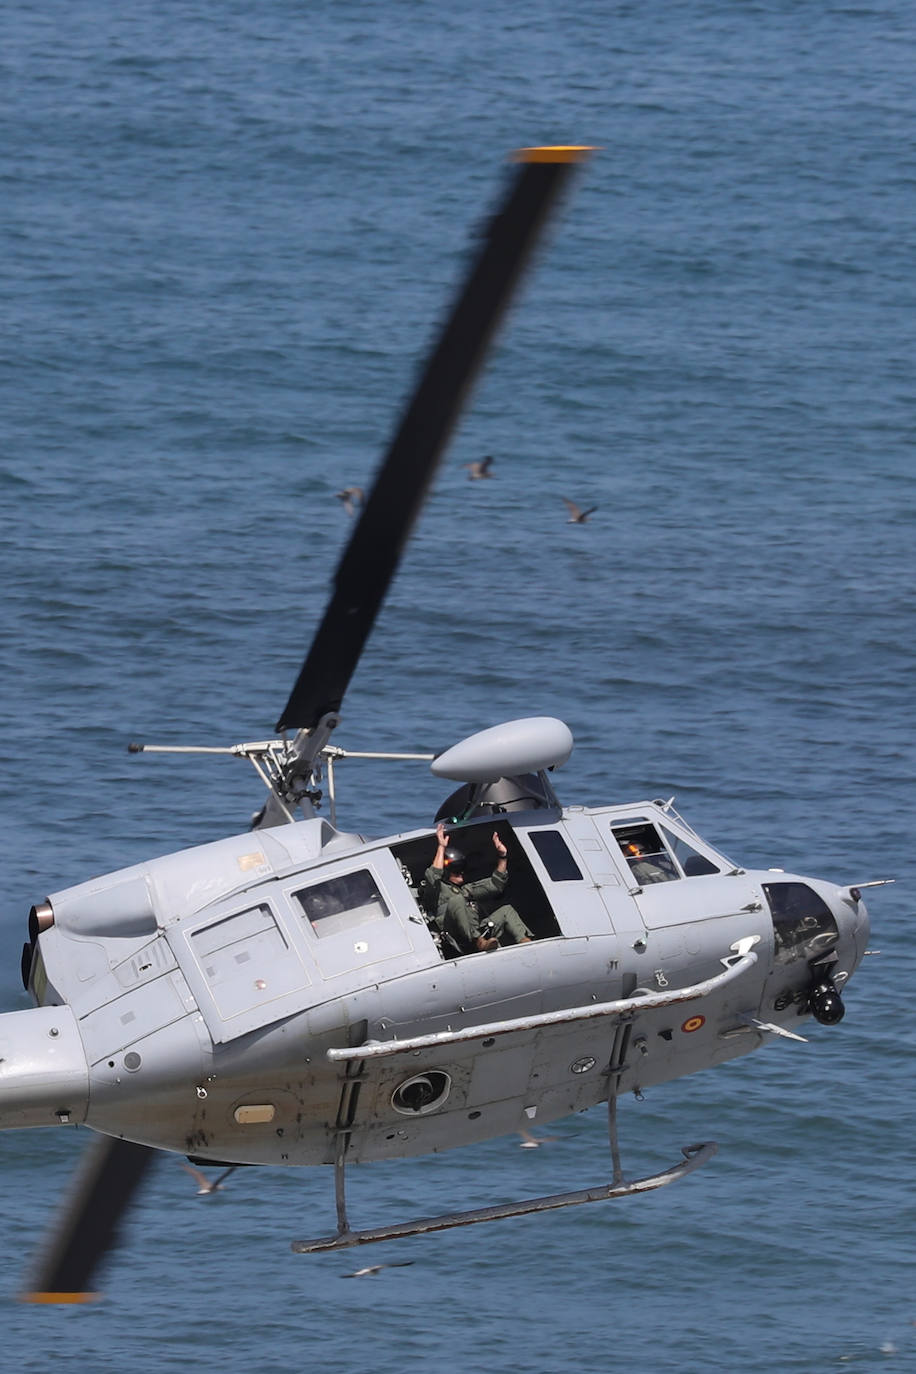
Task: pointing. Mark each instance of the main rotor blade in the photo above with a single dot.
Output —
(370, 560)
(109, 1174)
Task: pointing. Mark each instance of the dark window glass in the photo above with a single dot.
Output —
(803, 923)
(555, 856)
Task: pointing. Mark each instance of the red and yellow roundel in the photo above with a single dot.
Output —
(693, 1023)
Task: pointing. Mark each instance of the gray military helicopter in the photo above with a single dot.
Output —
(290, 995)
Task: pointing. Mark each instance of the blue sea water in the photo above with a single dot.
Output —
(227, 233)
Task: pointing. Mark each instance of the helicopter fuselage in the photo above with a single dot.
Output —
(190, 1003)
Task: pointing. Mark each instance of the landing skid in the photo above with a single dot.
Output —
(694, 1156)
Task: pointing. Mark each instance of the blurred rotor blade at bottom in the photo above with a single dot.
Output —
(87, 1227)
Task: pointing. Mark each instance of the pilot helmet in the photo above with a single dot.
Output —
(454, 859)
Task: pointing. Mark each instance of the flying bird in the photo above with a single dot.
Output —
(576, 515)
(479, 469)
(205, 1186)
(375, 1269)
(351, 497)
(532, 1142)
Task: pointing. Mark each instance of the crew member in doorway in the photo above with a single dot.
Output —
(458, 915)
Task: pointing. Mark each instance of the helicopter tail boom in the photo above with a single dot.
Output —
(44, 1076)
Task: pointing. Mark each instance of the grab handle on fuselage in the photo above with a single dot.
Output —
(735, 964)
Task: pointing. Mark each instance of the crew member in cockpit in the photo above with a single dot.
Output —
(644, 869)
(458, 914)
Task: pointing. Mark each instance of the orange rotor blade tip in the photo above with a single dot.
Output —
(59, 1297)
(571, 152)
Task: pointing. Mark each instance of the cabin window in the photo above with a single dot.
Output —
(693, 863)
(645, 853)
(803, 924)
(340, 903)
(554, 854)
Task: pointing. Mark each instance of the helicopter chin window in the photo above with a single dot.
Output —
(803, 924)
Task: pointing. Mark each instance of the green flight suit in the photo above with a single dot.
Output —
(459, 916)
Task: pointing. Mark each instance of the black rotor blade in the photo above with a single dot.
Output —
(371, 558)
(87, 1228)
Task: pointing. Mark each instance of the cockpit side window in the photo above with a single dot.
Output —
(351, 899)
(645, 853)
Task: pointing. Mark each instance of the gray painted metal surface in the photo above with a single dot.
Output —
(266, 997)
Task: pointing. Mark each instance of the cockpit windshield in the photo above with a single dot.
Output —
(691, 860)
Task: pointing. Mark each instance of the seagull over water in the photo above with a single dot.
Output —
(577, 516)
(479, 469)
(533, 1142)
(376, 1268)
(351, 497)
(205, 1186)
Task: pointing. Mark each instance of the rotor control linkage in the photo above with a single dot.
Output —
(274, 761)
